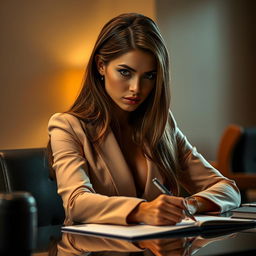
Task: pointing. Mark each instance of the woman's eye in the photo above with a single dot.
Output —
(150, 76)
(124, 72)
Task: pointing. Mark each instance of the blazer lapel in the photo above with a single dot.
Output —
(151, 191)
(112, 158)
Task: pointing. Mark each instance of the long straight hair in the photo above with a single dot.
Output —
(151, 121)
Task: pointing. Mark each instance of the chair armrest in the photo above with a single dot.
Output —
(228, 140)
(244, 180)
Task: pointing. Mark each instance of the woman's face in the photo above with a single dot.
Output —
(129, 78)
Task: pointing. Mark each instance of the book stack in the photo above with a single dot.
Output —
(246, 211)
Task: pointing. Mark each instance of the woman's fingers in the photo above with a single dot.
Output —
(164, 210)
(169, 215)
(170, 208)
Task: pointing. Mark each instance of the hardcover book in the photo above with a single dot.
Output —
(244, 212)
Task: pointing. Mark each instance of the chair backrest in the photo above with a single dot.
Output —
(28, 170)
(244, 153)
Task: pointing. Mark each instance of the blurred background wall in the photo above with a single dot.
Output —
(44, 48)
(45, 45)
(212, 47)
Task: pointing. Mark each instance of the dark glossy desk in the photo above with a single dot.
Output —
(52, 242)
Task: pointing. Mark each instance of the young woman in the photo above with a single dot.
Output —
(120, 134)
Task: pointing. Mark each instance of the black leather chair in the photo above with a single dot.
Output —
(28, 170)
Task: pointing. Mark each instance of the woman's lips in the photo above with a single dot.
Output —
(132, 100)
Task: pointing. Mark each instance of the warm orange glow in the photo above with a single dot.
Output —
(64, 86)
(78, 55)
(71, 82)
(52, 49)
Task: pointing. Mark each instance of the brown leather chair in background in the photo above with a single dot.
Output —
(236, 157)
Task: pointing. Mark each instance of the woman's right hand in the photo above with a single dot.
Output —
(164, 210)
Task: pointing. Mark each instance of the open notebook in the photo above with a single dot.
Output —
(206, 224)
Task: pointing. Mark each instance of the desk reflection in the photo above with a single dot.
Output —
(74, 245)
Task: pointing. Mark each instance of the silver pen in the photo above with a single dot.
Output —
(164, 190)
(161, 187)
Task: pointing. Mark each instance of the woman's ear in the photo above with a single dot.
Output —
(100, 65)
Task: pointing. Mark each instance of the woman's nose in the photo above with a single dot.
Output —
(135, 85)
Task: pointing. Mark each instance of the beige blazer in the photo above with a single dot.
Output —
(95, 182)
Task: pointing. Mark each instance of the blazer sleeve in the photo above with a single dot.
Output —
(201, 179)
(81, 202)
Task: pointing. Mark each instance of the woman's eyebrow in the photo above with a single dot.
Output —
(132, 69)
(128, 67)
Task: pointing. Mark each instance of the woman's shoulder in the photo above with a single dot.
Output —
(63, 118)
(176, 132)
(68, 122)
(172, 123)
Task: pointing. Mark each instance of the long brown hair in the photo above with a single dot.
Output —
(152, 125)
